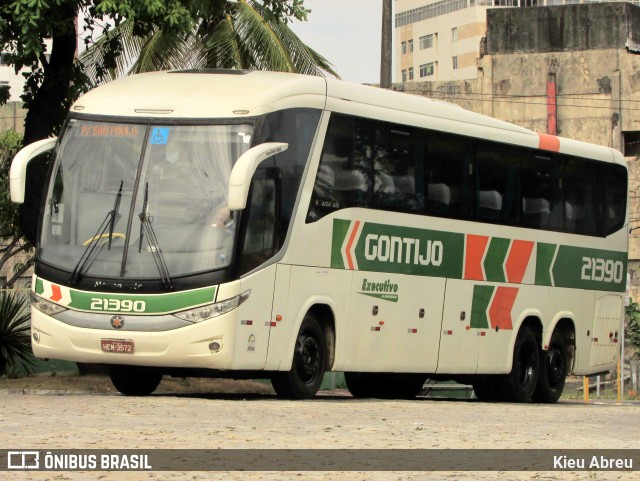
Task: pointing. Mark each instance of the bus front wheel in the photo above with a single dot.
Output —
(553, 371)
(134, 380)
(308, 366)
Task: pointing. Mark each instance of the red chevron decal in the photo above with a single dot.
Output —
(56, 293)
(518, 260)
(501, 306)
(476, 246)
(349, 248)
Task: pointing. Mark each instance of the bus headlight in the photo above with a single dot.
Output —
(210, 311)
(46, 307)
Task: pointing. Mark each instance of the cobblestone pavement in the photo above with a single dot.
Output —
(45, 420)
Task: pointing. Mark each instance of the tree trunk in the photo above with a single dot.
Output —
(46, 112)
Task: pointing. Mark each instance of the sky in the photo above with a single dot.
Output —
(347, 33)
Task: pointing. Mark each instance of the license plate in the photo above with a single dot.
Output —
(122, 346)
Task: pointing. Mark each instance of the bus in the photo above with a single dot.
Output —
(248, 224)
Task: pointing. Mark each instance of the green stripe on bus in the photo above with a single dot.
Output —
(39, 286)
(479, 305)
(340, 230)
(141, 303)
(595, 269)
(494, 260)
(544, 258)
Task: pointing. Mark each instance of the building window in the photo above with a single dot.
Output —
(410, 73)
(426, 70)
(455, 62)
(404, 75)
(426, 41)
(454, 34)
(631, 143)
(410, 45)
(403, 47)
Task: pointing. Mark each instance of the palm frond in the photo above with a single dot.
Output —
(15, 338)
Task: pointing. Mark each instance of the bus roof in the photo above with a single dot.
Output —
(211, 94)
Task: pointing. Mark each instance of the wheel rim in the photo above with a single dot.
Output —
(308, 358)
(555, 367)
(526, 368)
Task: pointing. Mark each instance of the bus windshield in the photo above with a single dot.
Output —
(130, 201)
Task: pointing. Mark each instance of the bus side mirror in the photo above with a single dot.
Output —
(245, 167)
(18, 171)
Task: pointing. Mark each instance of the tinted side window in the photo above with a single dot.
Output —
(615, 198)
(540, 189)
(397, 154)
(297, 127)
(345, 175)
(582, 196)
(497, 168)
(448, 165)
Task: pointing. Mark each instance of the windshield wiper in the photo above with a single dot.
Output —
(152, 240)
(108, 223)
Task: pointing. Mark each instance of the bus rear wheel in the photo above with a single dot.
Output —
(520, 384)
(134, 380)
(553, 371)
(384, 385)
(309, 363)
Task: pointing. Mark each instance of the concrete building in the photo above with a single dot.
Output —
(572, 70)
(441, 39)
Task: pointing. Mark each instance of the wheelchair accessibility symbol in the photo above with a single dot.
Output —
(159, 136)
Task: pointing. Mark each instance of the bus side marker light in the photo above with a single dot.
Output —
(468, 328)
(375, 328)
(595, 339)
(482, 334)
(412, 331)
(278, 318)
(215, 345)
(36, 337)
(246, 323)
(381, 323)
(447, 333)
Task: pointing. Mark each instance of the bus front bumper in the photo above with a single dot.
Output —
(208, 344)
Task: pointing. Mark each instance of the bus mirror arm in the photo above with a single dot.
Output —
(18, 171)
(245, 167)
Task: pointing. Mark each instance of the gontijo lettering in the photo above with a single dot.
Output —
(385, 248)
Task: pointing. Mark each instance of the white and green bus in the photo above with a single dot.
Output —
(269, 225)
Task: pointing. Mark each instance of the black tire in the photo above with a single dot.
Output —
(520, 384)
(308, 366)
(553, 371)
(384, 385)
(486, 388)
(134, 380)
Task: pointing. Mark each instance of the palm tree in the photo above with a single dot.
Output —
(15, 338)
(243, 38)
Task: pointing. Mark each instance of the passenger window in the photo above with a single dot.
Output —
(394, 167)
(579, 186)
(541, 200)
(496, 168)
(344, 176)
(448, 165)
(615, 198)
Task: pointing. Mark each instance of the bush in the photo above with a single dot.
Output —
(15, 338)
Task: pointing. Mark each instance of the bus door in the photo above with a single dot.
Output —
(375, 315)
(419, 326)
(460, 337)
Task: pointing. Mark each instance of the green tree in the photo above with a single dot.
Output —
(15, 338)
(632, 332)
(248, 37)
(13, 242)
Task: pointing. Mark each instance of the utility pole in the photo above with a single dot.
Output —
(386, 47)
